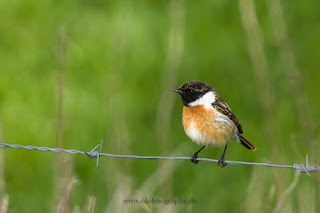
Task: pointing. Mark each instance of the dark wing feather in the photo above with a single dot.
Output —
(224, 108)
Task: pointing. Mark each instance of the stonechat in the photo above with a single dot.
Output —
(208, 120)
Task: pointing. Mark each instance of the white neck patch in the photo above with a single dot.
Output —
(206, 100)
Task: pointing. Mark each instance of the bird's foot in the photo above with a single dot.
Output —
(222, 163)
(194, 158)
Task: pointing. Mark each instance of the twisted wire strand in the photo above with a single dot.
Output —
(96, 154)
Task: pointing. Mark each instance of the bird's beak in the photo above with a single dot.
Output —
(176, 90)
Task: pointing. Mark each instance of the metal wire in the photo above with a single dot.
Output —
(96, 154)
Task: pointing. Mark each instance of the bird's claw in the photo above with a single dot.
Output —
(222, 163)
(194, 159)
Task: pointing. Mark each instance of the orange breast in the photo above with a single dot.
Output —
(203, 127)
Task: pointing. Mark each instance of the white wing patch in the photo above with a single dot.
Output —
(206, 100)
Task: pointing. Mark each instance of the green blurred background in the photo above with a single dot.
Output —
(73, 73)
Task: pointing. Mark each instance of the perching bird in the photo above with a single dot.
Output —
(208, 120)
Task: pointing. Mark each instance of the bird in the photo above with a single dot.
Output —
(208, 120)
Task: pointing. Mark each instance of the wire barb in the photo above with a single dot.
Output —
(307, 168)
(97, 154)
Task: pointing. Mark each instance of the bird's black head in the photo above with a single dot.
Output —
(192, 91)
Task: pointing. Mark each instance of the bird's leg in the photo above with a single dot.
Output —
(221, 162)
(195, 156)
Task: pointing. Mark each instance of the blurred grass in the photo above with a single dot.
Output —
(115, 76)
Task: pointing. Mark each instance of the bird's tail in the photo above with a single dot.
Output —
(244, 142)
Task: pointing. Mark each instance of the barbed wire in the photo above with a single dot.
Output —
(307, 168)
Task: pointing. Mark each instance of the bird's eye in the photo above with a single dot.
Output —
(190, 90)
